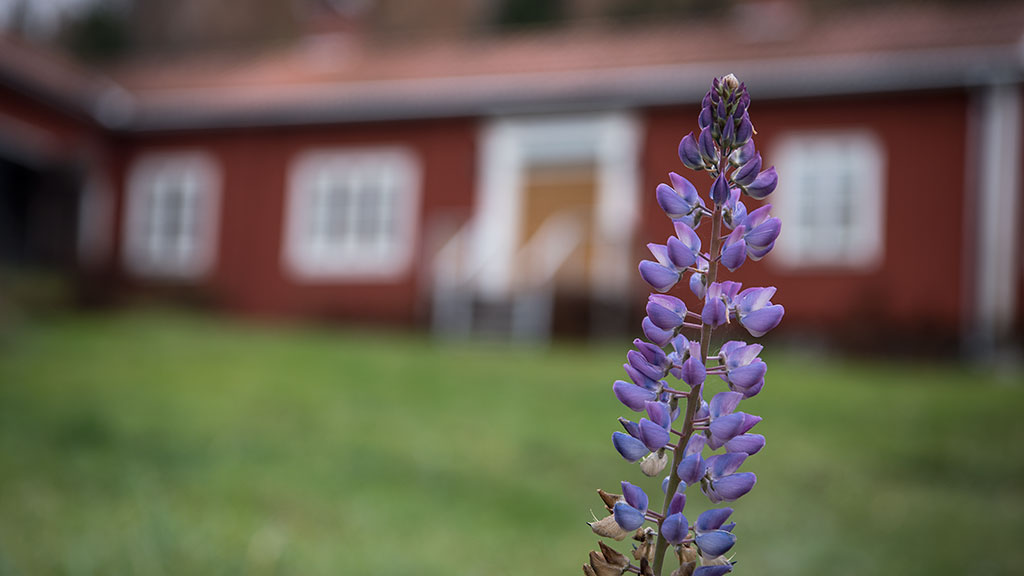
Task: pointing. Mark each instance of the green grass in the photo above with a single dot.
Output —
(168, 444)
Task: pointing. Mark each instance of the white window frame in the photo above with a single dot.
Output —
(802, 160)
(310, 254)
(184, 258)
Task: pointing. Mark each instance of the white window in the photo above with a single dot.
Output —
(830, 199)
(170, 226)
(351, 214)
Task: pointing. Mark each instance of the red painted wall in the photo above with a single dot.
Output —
(918, 287)
(249, 276)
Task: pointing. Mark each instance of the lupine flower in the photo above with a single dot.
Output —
(734, 212)
(756, 312)
(734, 250)
(666, 312)
(629, 513)
(675, 528)
(723, 483)
(680, 201)
(744, 371)
(724, 149)
(762, 230)
(689, 153)
(747, 173)
(718, 300)
(699, 280)
(763, 185)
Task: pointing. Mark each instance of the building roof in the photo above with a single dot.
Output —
(781, 50)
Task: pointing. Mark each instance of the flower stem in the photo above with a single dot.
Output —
(693, 400)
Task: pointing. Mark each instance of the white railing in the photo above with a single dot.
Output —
(455, 288)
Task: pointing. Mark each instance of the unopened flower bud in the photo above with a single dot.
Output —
(689, 154)
(730, 82)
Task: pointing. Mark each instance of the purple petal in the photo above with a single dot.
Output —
(683, 186)
(722, 465)
(724, 403)
(759, 216)
(747, 376)
(760, 322)
(655, 334)
(627, 517)
(628, 447)
(675, 528)
(706, 143)
(714, 312)
(749, 444)
(712, 519)
(739, 353)
(689, 154)
(694, 371)
(631, 428)
(734, 486)
(745, 130)
(753, 390)
(687, 236)
(749, 421)
(654, 436)
(746, 174)
(637, 360)
(743, 154)
(660, 253)
(639, 379)
(715, 543)
(720, 190)
(697, 285)
(653, 354)
(659, 414)
(764, 184)
(717, 570)
(634, 397)
(679, 254)
(671, 202)
(691, 469)
(724, 429)
(695, 445)
(677, 503)
(765, 233)
(754, 299)
(661, 278)
(634, 496)
(734, 254)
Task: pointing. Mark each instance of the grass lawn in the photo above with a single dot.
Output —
(167, 444)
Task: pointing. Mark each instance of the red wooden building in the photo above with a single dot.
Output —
(506, 182)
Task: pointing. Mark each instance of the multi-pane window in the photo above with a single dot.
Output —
(830, 199)
(351, 213)
(171, 215)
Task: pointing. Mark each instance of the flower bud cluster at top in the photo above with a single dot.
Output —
(684, 437)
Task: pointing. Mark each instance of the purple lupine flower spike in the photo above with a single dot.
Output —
(724, 149)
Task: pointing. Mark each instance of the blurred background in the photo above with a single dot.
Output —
(331, 286)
